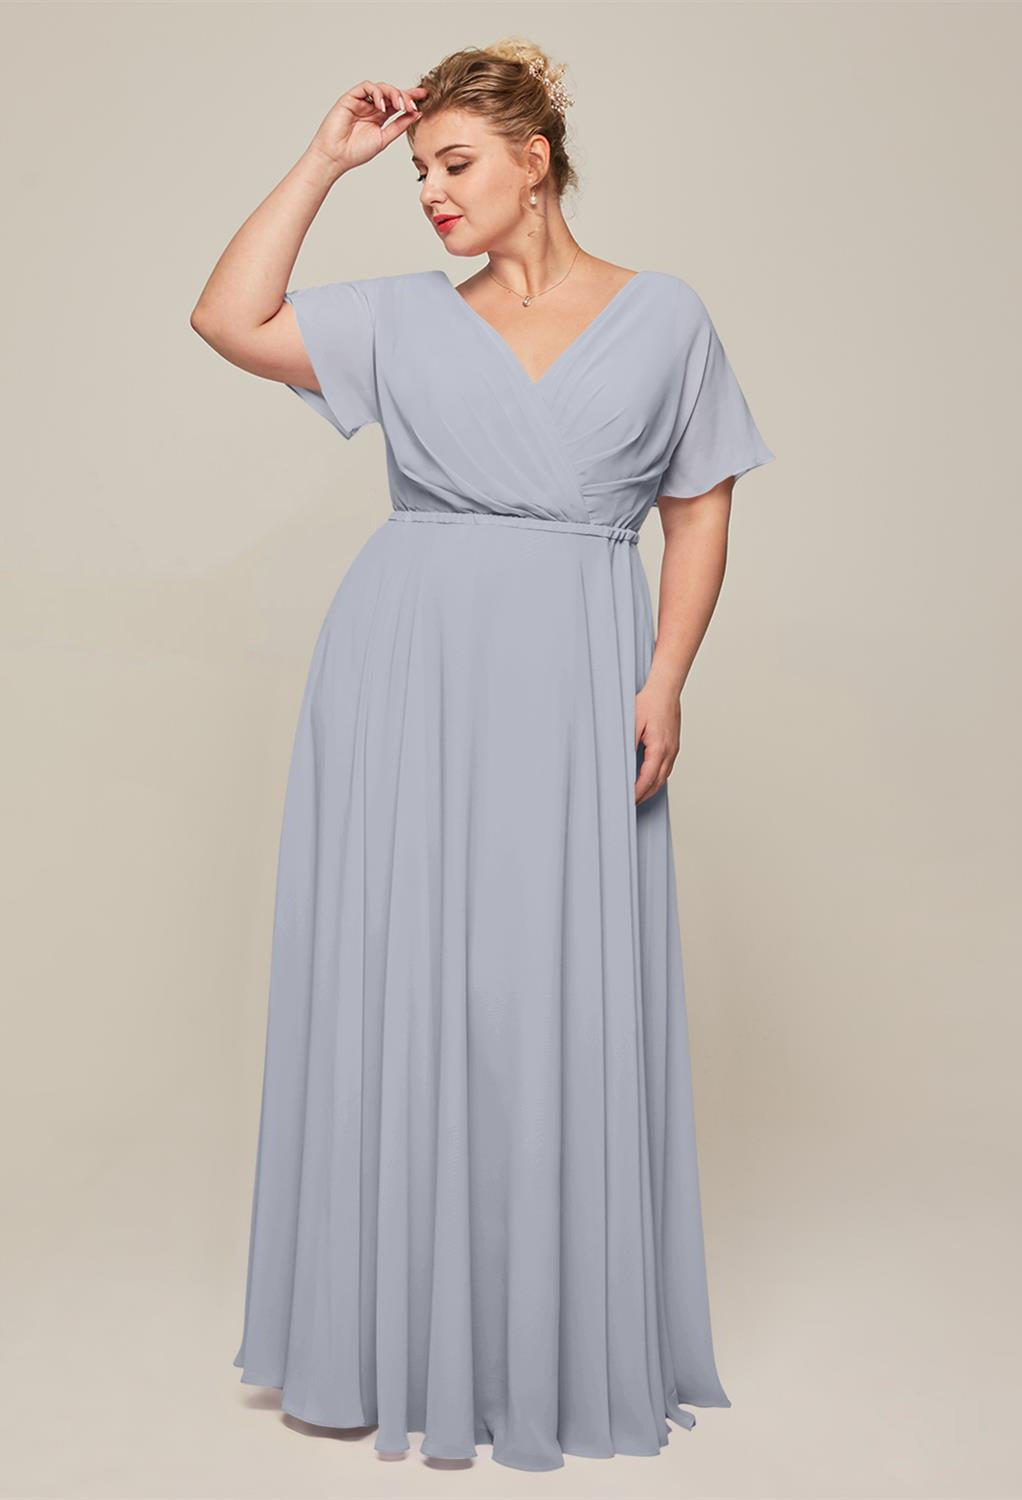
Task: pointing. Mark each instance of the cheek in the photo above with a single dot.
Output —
(491, 196)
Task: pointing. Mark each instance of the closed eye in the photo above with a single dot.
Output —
(460, 168)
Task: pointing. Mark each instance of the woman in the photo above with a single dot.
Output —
(476, 1211)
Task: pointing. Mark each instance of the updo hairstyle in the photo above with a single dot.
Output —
(516, 100)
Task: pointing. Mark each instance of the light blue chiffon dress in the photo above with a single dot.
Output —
(476, 1211)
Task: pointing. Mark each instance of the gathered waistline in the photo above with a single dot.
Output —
(536, 523)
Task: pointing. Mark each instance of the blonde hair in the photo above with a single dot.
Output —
(515, 88)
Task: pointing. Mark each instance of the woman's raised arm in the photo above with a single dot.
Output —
(241, 312)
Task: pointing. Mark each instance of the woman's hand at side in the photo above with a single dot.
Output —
(658, 727)
(691, 574)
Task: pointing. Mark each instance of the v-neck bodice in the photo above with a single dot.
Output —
(641, 403)
(592, 327)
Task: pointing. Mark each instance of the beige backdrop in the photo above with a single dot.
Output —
(839, 184)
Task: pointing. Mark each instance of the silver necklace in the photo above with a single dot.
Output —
(526, 300)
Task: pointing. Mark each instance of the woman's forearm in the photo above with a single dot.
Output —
(695, 556)
(248, 282)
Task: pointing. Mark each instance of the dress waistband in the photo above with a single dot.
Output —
(536, 523)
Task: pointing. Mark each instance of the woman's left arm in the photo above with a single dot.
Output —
(695, 555)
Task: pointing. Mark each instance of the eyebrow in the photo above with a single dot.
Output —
(459, 146)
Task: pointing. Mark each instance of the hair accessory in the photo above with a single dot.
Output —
(559, 96)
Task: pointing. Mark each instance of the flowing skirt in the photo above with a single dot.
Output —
(476, 1211)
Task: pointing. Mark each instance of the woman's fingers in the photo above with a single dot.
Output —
(653, 773)
(407, 98)
(387, 99)
(400, 101)
(646, 778)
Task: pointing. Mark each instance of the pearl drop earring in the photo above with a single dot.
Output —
(532, 197)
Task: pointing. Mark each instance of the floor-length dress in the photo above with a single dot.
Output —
(476, 1211)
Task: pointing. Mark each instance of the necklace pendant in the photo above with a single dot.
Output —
(526, 301)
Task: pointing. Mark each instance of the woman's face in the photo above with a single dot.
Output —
(466, 172)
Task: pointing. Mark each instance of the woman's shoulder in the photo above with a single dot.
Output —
(682, 292)
(392, 295)
(396, 280)
(396, 289)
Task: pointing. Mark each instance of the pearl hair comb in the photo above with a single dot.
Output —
(554, 87)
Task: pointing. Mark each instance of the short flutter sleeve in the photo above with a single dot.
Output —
(715, 436)
(337, 326)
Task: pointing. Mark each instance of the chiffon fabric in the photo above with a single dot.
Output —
(476, 1210)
